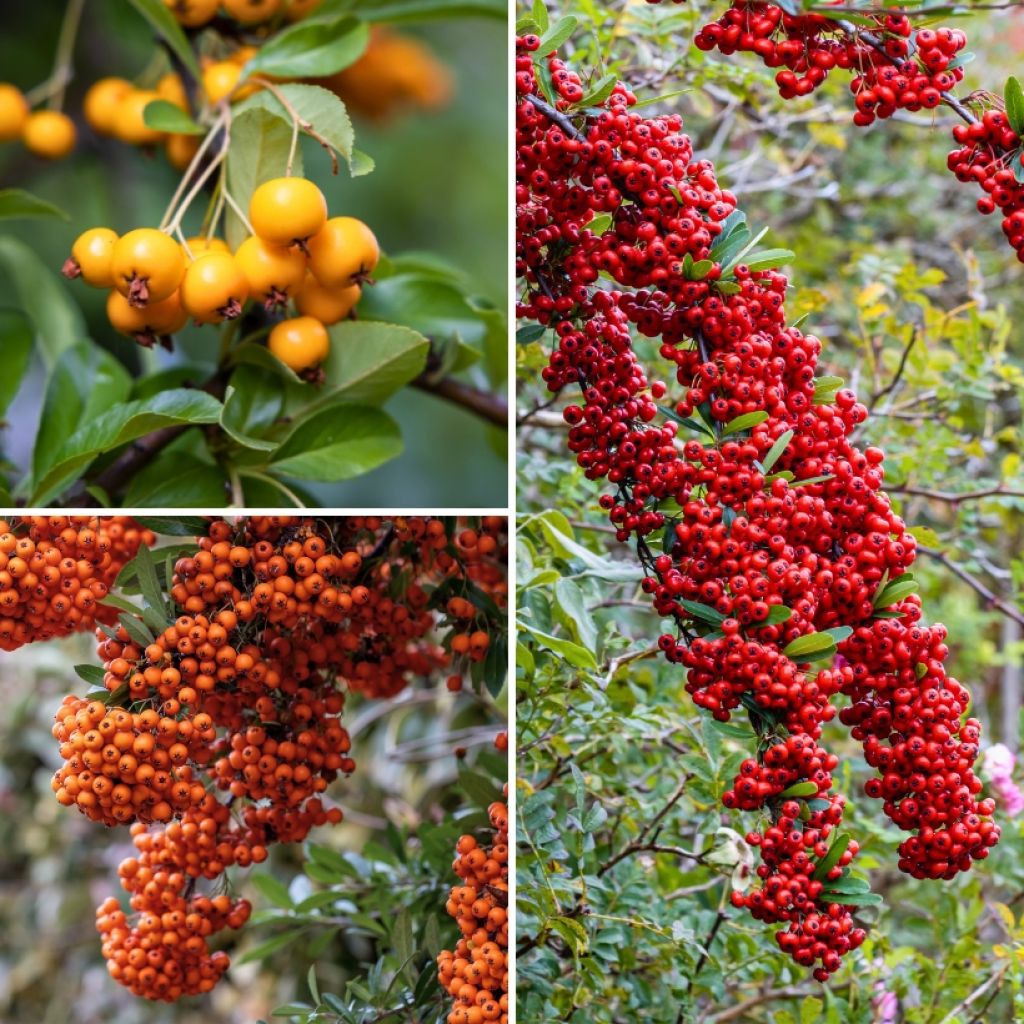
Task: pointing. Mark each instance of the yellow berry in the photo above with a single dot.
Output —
(344, 251)
(103, 101)
(274, 274)
(287, 210)
(300, 343)
(148, 266)
(91, 257)
(328, 305)
(49, 134)
(13, 112)
(214, 288)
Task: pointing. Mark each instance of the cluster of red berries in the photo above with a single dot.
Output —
(243, 695)
(987, 149)
(55, 572)
(781, 543)
(894, 67)
(475, 974)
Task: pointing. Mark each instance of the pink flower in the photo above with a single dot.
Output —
(998, 765)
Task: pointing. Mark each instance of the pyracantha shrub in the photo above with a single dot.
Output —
(217, 732)
(784, 569)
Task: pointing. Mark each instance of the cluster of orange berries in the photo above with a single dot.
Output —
(163, 953)
(121, 767)
(243, 695)
(476, 973)
(296, 254)
(395, 72)
(56, 570)
(46, 133)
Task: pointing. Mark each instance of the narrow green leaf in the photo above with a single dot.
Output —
(311, 49)
(744, 422)
(162, 21)
(164, 116)
(556, 35)
(1013, 95)
(775, 452)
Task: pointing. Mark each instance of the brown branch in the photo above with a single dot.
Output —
(490, 407)
(738, 1012)
(992, 599)
(953, 497)
(555, 116)
(638, 844)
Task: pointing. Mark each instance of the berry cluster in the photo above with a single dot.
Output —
(780, 549)
(396, 72)
(45, 133)
(475, 974)
(987, 149)
(197, 13)
(55, 572)
(295, 254)
(242, 695)
(894, 67)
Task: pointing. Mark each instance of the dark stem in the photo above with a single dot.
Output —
(487, 406)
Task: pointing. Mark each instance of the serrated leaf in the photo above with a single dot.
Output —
(704, 612)
(92, 674)
(311, 49)
(600, 92)
(799, 789)
(840, 842)
(807, 645)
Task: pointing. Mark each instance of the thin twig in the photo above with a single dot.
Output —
(992, 598)
(490, 407)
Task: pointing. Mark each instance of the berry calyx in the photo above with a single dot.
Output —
(214, 288)
(148, 266)
(343, 252)
(273, 273)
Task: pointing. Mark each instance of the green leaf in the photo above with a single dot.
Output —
(571, 652)
(806, 788)
(149, 586)
(85, 382)
(704, 612)
(539, 12)
(839, 844)
(809, 644)
(136, 629)
(776, 450)
(274, 890)
(556, 35)
(895, 590)
(260, 143)
(16, 345)
(601, 90)
(164, 116)
(439, 308)
(162, 21)
(769, 259)
(92, 674)
(847, 884)
(338, 443)
(856, 899)
(320, 108)
(1014, 98)
(44, 298)
(119, 425)
(17, 204)
(311, 49)
(744, 422)
(370, 361)
(174, 526)
(825, 389)
(776, 613)
(252, 403)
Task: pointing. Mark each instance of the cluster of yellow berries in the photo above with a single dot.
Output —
(116, 107)
(46, 133)
(296, 253)
(196, 13)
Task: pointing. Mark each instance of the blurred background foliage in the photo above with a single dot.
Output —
(438, 188)
(918, 300)
(361, 904)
